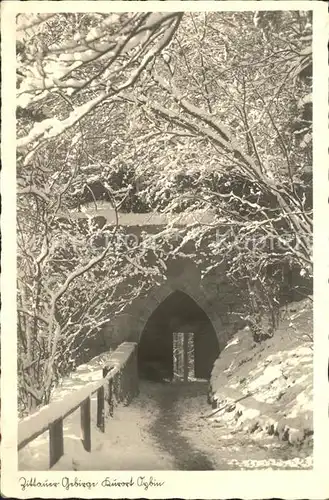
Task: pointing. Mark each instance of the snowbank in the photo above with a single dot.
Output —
(268, 387)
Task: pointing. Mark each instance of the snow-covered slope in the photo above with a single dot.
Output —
(268, 387)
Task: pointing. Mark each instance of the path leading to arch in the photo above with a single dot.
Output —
(175, 418)
(163, 429)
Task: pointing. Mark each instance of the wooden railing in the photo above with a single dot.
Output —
(119, 384)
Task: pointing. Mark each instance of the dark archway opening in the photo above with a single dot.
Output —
(177, 313)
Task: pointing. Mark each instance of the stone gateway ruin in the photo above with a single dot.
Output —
(199, 309)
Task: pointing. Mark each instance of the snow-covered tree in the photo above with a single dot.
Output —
(71, 66)
(223, 107)
(196, 112)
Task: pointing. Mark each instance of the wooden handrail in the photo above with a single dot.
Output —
(51, 416)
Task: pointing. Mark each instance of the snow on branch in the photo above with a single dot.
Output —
(228, 140)
(48, 68)
(52, 127)
(27, 23)
(47, 73)
(35, 191)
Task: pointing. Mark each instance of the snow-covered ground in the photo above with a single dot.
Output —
(164, 429)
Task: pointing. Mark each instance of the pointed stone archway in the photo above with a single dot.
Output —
(177, 312)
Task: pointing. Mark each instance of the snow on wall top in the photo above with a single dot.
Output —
(140, 219)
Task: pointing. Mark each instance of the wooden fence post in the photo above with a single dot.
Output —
(56, 441)
(185, 357)
(136, 374)
(116, 387)
(127, 378)
(100, 409)
(110, 397)
(85, 424)
(108, 393)
(126, 385)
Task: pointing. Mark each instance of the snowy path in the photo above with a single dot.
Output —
(179, 406)
(163, 429)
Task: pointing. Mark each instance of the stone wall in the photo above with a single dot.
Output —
(213, 294)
